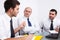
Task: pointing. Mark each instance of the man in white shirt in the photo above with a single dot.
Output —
(6, 27)
(31, 26)
(51, 23)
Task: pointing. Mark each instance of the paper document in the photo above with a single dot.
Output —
(53, 31)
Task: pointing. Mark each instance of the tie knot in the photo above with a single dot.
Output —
(27, 18)
(51, 20)
(11, 20)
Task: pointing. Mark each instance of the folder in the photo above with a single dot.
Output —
(36, 37)
(39, 37)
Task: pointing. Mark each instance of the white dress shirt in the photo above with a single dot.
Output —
(5, 26)
(47, 22)
(15, 24)
(34, 28)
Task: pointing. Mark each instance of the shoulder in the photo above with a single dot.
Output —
(57, 20)
(45, 20)
(1, 19)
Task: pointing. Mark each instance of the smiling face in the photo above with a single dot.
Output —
(27, 12)
(52, 15)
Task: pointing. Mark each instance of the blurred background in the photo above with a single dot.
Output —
(40, 8)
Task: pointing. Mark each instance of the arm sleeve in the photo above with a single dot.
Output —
(2, 30)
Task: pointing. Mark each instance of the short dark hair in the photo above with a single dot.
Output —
(10, 4)
(53, 10)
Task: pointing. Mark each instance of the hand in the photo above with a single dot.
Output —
(22, 25)
(57, 29)
(30, 36)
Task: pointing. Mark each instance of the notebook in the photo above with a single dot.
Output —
(53, 32)
(54, 35)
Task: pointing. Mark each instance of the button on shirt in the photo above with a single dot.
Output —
(29, 29)
(5, 31)
(47, 22)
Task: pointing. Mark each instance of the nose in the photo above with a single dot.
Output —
(50, 15)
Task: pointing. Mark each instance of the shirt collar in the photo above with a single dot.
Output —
(7, 17)
(26, 17)
(53, 19)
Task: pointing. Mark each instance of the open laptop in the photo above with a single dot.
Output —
(53, 36)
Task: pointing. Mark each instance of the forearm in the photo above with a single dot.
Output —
(17, 29)
(12, 39)
(21, 26)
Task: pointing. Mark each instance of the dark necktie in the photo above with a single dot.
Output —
(29, 23)
(12, 30)
(51, 26)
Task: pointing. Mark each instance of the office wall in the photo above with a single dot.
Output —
(46, 5)
(40, 7)
(2, 7)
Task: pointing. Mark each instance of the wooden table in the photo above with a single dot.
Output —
(19, 38)
(29, 37)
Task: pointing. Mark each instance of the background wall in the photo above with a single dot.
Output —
(40, 7)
